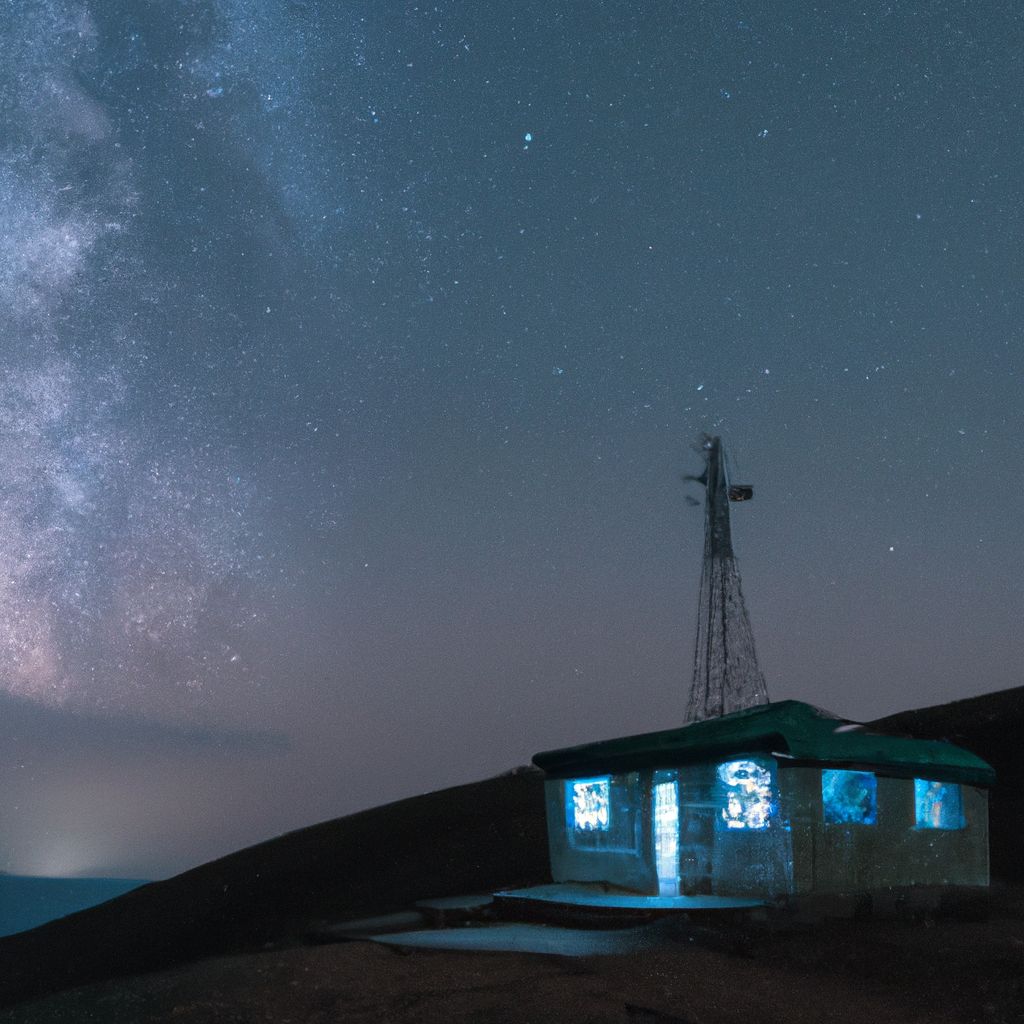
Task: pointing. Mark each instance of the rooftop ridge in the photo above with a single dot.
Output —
(798, 731)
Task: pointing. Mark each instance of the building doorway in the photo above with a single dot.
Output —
(666, 832)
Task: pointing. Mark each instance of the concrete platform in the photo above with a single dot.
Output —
(569, 919)
(578, 894)
(534, 938)
(451, 911)
(601, 898)
(364, 927)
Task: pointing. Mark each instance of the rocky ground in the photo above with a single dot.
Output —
(904, 972)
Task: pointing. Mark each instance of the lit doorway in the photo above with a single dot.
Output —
(666, 832)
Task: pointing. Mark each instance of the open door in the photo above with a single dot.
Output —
(666, 832)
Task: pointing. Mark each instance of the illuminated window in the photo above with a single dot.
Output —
(602, 813)
(748, 798)
(590, 801)
(938, 804)
(849, 798)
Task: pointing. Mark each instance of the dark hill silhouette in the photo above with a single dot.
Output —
(473, 838)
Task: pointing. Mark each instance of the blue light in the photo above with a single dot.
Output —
(589, 800)
(937, 805)
(666, 832)
(749, 798)
(849, 798)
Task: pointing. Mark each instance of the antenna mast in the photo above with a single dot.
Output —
(726, 677)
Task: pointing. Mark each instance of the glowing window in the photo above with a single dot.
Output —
(748, 799)
(938, 804)
(590, 801)
(849, 798)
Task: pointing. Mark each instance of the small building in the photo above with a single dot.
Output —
(773, 801)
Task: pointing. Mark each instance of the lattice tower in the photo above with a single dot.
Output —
(726, 677)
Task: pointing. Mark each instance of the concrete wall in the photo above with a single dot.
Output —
(850, 858)
(720, 860)
(712, 858)
(798, 853)
(629, 864)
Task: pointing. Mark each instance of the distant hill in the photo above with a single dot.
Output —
(473, 838)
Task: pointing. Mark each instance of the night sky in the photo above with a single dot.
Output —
(352, 353)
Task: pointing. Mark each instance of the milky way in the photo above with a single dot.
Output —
(114, 541)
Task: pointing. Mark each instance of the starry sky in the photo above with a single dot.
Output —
(352, 354)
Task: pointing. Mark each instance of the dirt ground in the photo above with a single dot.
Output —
(904, 972)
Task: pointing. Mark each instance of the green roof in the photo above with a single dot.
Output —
(797, 732)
